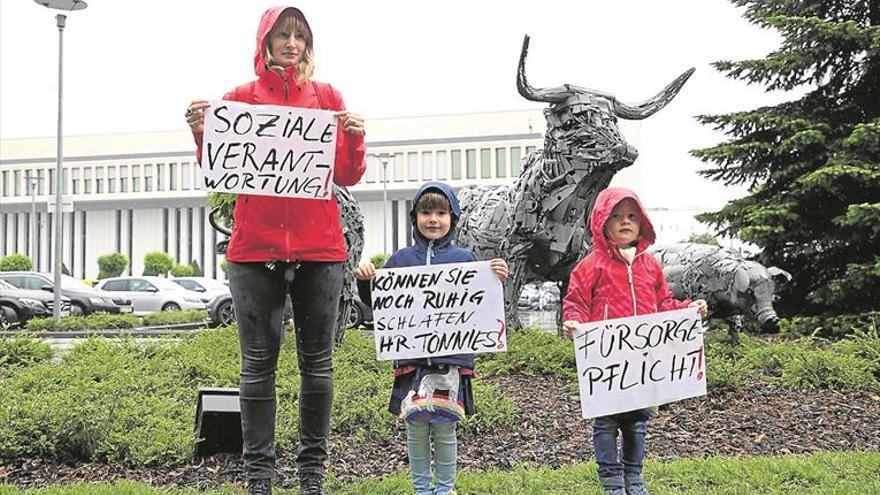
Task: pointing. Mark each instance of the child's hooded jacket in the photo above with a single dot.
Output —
(604, 285)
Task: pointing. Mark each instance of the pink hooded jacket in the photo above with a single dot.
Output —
(604, 285)
(268, 228)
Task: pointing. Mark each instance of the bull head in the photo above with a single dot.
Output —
(582, 122)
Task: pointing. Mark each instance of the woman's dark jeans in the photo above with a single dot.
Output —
(258, 294)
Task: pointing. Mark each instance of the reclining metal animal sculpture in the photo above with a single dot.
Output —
(731, 285)
(539, 224)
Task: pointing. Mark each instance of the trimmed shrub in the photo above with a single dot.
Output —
(174, 317)
(182, 271)
(97, 321)
(531, 352)
(829, 327)
(15, 262)
(23, 349)
(157, 263)
(111, 265)
(379, 260)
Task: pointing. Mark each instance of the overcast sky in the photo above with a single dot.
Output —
(133, 66)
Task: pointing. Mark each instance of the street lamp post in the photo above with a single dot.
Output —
(66, 5)
(384, 158)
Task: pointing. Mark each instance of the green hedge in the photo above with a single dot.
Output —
(833, 327)
(104, 321)
(118, 400)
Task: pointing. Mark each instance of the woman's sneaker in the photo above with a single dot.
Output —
(259, 487)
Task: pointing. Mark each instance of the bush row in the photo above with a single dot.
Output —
(120, 400)
(104, 321)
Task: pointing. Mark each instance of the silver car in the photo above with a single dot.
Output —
(150, 294)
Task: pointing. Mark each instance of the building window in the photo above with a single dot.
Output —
(16, 184)
(148, 178)
(485, 163)
(412, 169)
(471, 157)
(160, 176)
(427, 165)
(398, 167)
(135, 178)
(41, 187)
(456, 164)
(529, 149)
(441, 165)
(172, 182)
(87, 180)
(5, 192)
(515, 161)
(74, 181)
(28, 183)
(111, 179)
(64, 180)
(99, 180)
(123, 178)
(372, 166)
(186, 176)
(500, 162)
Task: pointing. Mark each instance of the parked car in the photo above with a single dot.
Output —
(220, 309)
(83, 298)
(149, 294)
(20, 305)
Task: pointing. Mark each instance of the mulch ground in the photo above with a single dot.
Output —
(758, 420)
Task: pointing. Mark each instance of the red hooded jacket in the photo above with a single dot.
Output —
(604, 285)
(269, 228)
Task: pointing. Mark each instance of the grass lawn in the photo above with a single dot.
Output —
(843, 473)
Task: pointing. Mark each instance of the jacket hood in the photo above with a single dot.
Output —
(446, 190)
(605, 202)
(270, 16)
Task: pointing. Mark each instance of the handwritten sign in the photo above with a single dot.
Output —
(632, 363)
(268, 150)
(438, 310)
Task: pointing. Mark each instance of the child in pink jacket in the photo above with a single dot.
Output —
(617, 279)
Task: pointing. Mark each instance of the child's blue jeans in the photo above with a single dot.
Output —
(418, 439)
(613, 468)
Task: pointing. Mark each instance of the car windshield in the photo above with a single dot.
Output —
(165, 284)
(6, 285)
(211, 284)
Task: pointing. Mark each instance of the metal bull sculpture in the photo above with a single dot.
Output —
(732, 285)
(352, 229)
(539, 224)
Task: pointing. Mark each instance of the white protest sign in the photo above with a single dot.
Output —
(438, 310)
(268, 150)
(631, 363)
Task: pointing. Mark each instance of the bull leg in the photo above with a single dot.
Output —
(734, 327)
(512, 287)
(563, 289)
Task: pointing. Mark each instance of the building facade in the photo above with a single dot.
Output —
(136, 193)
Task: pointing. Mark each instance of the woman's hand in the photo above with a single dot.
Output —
(701, 306)
(569, 327)
(195, 115)
(352, 123)
(365, 271)
(499, 266)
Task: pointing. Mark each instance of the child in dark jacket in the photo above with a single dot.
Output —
(434, 215)
(619, 278)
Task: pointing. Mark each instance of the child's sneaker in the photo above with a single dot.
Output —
(614, 491)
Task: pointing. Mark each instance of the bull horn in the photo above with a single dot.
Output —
(555, 95)
(651, 106)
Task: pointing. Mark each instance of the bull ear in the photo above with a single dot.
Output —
(776, 272)
(740, 280)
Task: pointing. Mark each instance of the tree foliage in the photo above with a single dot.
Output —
(15, 262)
(158, 263)
(111, 265)
(812, 165)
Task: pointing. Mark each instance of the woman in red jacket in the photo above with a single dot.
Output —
(282, 246)
(619, 278)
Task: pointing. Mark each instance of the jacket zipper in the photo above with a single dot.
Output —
(632, 286)
(430, 252)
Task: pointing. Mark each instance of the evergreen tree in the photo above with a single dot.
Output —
(812, 165)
